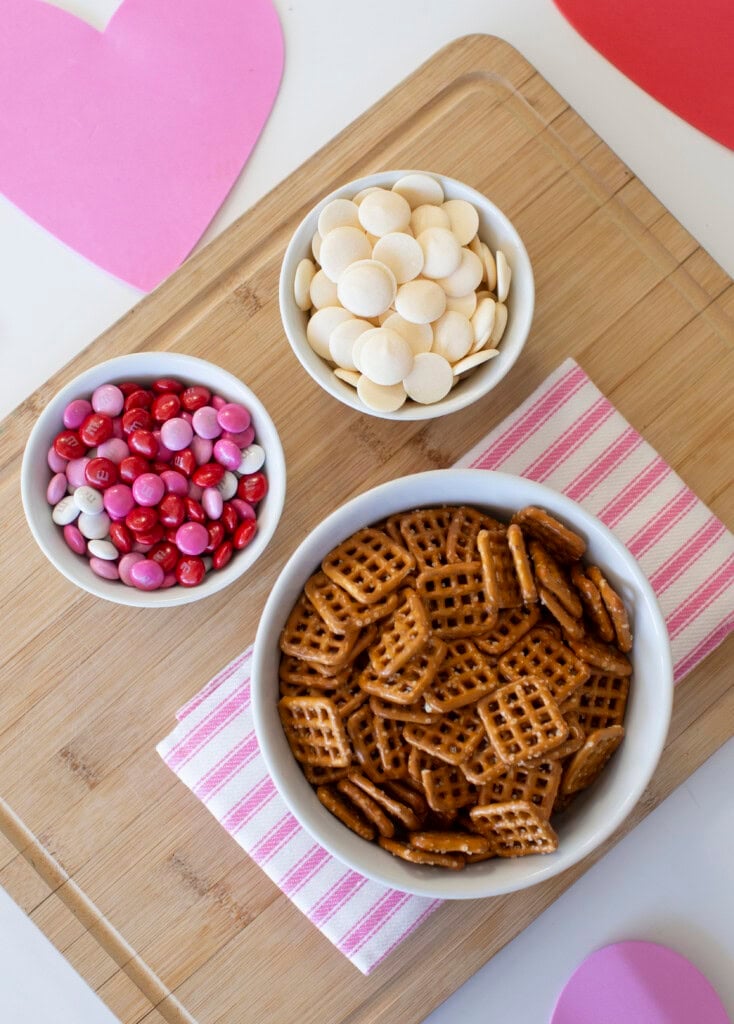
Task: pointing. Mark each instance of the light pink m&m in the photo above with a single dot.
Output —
(213, 502)
(115, 450)
(126, 564)
(108, 398)
(148, 489)
(76, 471)
(56, 488)
(101, 567)
(205, 422)
(176, 434)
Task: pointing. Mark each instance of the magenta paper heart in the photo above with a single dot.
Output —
(124, 143)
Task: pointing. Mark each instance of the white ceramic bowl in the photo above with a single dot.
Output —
(494, 228)
(146, 367)
(595, 814)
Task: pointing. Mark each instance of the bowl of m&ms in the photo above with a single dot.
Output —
(406, 295)
(154, 479)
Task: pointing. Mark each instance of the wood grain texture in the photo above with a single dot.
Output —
(192, 929)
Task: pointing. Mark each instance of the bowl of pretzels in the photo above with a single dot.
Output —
(462, 683)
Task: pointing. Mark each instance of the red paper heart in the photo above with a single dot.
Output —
(124, 143)
(680, 53)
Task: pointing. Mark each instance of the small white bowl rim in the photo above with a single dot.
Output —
(170, 364)
(481, 382)
(433, 882)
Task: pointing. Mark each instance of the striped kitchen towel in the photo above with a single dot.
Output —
(569, 436)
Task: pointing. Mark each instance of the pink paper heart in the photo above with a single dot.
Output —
(638, 983)
(124, 143)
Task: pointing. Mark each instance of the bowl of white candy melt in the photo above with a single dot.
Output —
(406, 294)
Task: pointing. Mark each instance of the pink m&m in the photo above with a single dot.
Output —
(76, 412)
(192, 538)
(233, 417)
(75, 539)
(146, 574)
(227, 454)
(176, 483)
(148, 489)
(118, 501)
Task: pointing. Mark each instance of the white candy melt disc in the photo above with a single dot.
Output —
(464, 219)
(342, 247)
(474, 359)
(476, 246)
(441, 253)
(316, 246)
(465, 304)
(357, 350)
(338, 213)
(320, 326)
(362, 193)
(367, 288)
(466, 278)
(483, 323)
(381, 212)
(350, 377)
(430, 379)
(381, 398)
(504, 274)
(322, 291)
(420, 302)
(385, 356)
(302, 284)
(419, 189)
(428, 216)
(453, 336)
(418, 336)
(500, 322)
(401, 253)
(490, 267)
(342, 339)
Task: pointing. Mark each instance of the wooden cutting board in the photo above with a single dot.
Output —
(122, 867)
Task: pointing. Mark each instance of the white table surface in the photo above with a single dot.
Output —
(341, 57)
